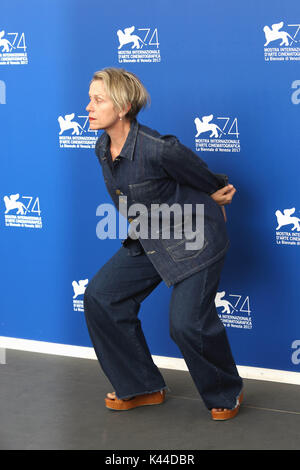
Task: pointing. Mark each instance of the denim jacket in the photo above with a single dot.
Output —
(157, 169)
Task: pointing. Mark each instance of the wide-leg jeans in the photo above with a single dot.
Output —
(112, 301)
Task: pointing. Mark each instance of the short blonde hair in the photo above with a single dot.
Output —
(124, 87)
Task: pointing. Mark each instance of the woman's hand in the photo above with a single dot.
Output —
(224, 195)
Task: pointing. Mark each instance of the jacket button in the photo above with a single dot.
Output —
(130, 219)
(118, 191)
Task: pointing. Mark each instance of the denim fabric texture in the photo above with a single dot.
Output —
(157, 169)
(112, 301)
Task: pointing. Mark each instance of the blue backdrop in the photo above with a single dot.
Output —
(224, 77)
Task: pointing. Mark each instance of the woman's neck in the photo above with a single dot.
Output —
(118, 135)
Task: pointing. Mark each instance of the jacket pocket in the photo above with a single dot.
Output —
(146, 192)
(178, 251)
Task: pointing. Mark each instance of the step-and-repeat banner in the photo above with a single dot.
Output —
(224, 77)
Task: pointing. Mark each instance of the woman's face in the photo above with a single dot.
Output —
(102, 114)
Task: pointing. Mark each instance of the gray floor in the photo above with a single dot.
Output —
(54, 402)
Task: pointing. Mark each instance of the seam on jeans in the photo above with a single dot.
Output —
(111, 377)
(218, 374)
(140, 352)
(144, 373)
(216, 369)
(201, 335)
(138, 349)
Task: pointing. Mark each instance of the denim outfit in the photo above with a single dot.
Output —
(158, 169)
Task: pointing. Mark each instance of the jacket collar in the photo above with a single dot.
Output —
(128, 148)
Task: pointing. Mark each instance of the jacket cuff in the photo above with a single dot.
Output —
(223, 179)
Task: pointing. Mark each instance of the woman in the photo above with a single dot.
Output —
(141, 166)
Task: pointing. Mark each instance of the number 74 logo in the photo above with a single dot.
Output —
(33, 204)
(17, 41)
(238, 303)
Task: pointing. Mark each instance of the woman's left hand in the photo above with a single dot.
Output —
(224, 195)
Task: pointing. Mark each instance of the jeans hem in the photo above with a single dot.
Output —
(236, 402)
(237, 398)
(142, 393)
